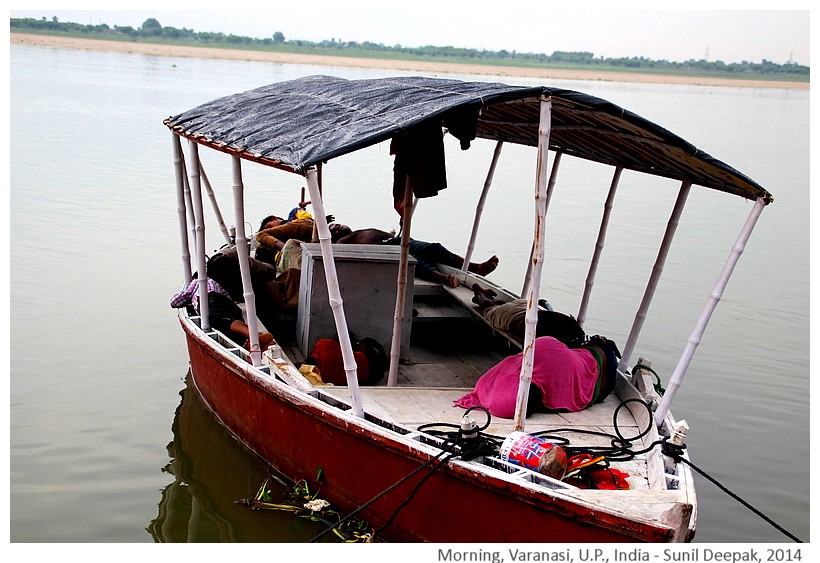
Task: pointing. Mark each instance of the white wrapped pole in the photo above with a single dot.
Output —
(179, 170)
(244, 264)
(401, 287)
(479, 210)
(525, 377)
(189, 206)
(199, 230)
(655, 277)
(599, 245)
(717, 293)
(334, 293)
(546, 203)
(210, 191)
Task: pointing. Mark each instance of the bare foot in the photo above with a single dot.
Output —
(487, 267)
(488, 293)
(482, 297)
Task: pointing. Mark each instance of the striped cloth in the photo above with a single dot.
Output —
(189, 294)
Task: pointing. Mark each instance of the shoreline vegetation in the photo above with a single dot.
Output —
(184, 51)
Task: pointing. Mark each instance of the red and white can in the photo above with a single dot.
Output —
(535, 454)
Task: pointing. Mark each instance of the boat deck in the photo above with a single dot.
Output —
(412, 407)
(450, 348)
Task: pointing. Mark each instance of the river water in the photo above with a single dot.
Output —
(106, 444)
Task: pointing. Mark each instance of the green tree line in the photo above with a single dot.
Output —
(152, 31)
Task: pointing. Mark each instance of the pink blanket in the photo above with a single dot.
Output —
(566, 376)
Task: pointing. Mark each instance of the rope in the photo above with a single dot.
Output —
(480, 444)
(413, 493)
(469, 447)
(675, 452)
(381, 494)
(659, 389)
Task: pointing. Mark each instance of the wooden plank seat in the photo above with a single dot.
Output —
(434, 301)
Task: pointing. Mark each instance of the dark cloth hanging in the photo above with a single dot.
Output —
(419, 159)
(419, 153)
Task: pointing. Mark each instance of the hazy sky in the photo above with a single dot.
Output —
(531, 26)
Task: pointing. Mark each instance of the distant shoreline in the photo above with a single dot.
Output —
(422, 66)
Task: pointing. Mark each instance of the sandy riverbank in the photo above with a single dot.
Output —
(230, 54)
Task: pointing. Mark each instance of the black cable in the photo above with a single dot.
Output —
(625, 453)
(406, 501)
(620, 448)
(380, 495)
(485, 444)
(675, 452)
(454, 443)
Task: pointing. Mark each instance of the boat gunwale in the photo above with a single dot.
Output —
(566, 500)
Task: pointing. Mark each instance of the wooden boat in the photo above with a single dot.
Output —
(399, 454)
(200, 504)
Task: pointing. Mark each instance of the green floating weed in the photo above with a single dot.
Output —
(306, 504)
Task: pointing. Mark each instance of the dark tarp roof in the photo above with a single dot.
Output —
(300, 123)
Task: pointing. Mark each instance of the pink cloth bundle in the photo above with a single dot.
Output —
(567, 377)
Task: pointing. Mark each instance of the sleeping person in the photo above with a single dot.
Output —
(563, 378)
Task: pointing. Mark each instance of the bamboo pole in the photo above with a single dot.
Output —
(199, 230)
(655, 277)
(599, 245)
(189, 203)
(714, 298)
(179, 171)
(334, 293)
(243, 256)
(525, 377)
(479, 210)
(401, 287)
(550, 189)
(315, 236)
(209, 190)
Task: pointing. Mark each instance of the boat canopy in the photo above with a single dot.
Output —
(298, 124)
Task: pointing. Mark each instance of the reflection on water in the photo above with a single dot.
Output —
(92, 212)
(211, 471)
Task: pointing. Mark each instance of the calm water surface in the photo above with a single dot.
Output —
(106, 443)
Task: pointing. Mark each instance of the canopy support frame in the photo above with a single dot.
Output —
(199, 230)
(212, 196)
(654, 278)
(599, 245)
(243, 255)
(401, 289)
(479, 210)
(528, 353)
(182, 217)
(550, 188)
(714, 298)
(334, 292)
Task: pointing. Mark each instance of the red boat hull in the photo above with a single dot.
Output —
(299, 436)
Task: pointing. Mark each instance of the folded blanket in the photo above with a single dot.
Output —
(570, 379)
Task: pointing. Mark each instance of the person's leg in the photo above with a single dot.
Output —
(241, 329)
(484, 268)
(437, 253)
(226, 317)
(483, 297)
